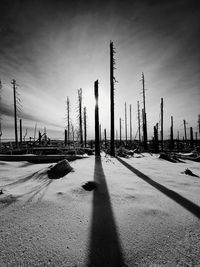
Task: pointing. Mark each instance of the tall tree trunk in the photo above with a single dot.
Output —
(65, 137)
(144, 114)
(161, 122)
(125, 124)
(15, 112)
(120, 131)
(130, 125)
(85, 126)
(139, 122)
(20, 128)
(172, 133)
(80, 116)
(97, 145)
(112, 116)
(105, 138)
(156, 139)
(68, 121)
(191, 138)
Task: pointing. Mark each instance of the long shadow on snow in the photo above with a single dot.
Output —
(105, 249)
(41, 187)
(38, 189)
(184, 202)
(38, 175)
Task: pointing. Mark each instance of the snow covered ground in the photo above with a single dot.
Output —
(145, 213)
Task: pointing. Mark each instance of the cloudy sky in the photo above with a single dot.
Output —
(54, 47)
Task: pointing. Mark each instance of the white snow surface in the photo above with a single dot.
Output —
(125, 221)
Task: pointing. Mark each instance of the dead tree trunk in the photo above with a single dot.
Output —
(105, 138)
(125, 124)
(20, 130)
(184, 123)
(172, 134)
(112, 116)
(139, 122)
(96, 94)
(85, 126)
(40, 138)
(80, 116)
(156, 149)
(15, 111)
(143, 126)
(130, 125)
(100, 135)
(144, 114)
(161, 122)
(120, 131)
(66, 137)
(199, 123)
(68, 121)
(191, 138)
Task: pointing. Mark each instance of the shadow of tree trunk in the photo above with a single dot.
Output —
(184, 202)
(105, 249)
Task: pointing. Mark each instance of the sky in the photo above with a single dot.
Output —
(54, 47)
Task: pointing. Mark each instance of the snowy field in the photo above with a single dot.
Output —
(144, 212)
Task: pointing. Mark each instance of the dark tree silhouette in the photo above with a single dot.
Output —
(96, 94)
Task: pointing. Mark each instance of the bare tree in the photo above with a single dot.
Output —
(112, 112)
(120, 131)
(191, 138)
(96, 94)
(185, 131)
(130, 124)
(65, 137)
(68, 120)
(20, 130)
(139, 122)
(161, 132)
(15, 111)
(85, 126)
(80, 116)
(125, 124)
(156, 138)
(105, 139)
(172, 133)
(144, 113)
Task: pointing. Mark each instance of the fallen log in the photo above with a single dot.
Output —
(189, 172)
(39, 158)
